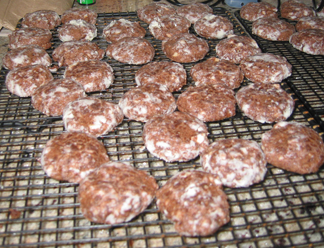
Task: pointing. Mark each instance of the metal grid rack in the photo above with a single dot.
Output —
(285, 210)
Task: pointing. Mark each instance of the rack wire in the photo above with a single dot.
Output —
(285, 210)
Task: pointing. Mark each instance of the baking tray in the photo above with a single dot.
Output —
(285, 210)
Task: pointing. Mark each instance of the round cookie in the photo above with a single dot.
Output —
(214, 71)
(116, 192)
(208, 102)
(309, 41)
(87, 15)
(175, 137)
(273, 28)
(118, 29)
(92, 116)
(151, 11)
(51, 98)
(24, 81)
(94, 75)
(70, 52)
(254, 11)
(236, 48)
(265, 103)
(164, 27)
(294, 147)
(185, 48)
(71, 156)
(77, 30)
(195, 202)
(30, 36)
(169, 74)
(213, 27)
(194, 11)
(311, 22)
(26, 55)
(131, 50)
(147, 101)
(46, 19)
(294, 10)
(266, 68)
(236, 162)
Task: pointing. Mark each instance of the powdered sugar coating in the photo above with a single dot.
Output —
(266, 68)
(236, 48)
(144, 102)
(151, 11)
(265, 103)
(254, 11)
(294, 10)
(195, 202)
(24, 81)
(131, 50)
(51, 98)
(94, 75)
(47, 19)
(85, 14)
(236, 162)
(77, 30)
(175, 137)
(309, 41)
(311, 22)
(293, 147)
(169, 74)
(213, 27)
(272, 28)
(207, 102)
(116, 192)
(214, 71)
(92, 116)
(26, 55)
(71, 156)
(118, 29)
(194, 11)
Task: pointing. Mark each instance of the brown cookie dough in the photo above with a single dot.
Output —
(30, 36)
(87, 15)
(195, 202)
(26, 55)
(94, 75)
(214, 71)
(265, 103)
(24, 81)
(294, 147)
(208, 102)
(131, 50)
(71, 156)
(92, 116)
(312, 22)
(147, 101)
(266, 68)
(71, 52)
(273, 28)
(116, 192)
(213, 27)
(254, 11)
(236, 48)
(185, 48)
(294, 10)
(164, 27)
(170, 74)
(309, 41)
(151, 11)
(118, 29)
(77, 30)
(46, 19)
(175, 137)
(51, 98)
(194, 11)
(236, 162)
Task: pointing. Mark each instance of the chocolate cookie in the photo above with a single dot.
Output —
(309, 41)
(71, 156)
(311, 22)
(77, 30)
(254, 11)
(116, 192)
(236, 162)
(265, 103)
(294, 147)
(151, 11)
(195, 202)
(46, 19)
(87, 15)
(294, 10)
(194, 11)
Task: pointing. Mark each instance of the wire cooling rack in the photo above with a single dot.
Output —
(285, 210)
